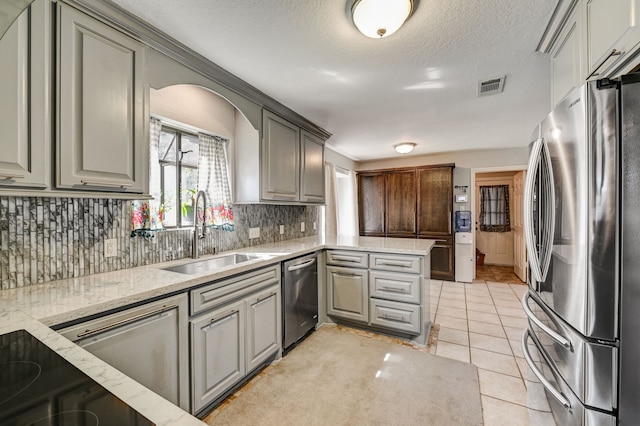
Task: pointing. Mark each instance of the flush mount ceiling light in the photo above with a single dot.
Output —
(404, 148)
(380, 18)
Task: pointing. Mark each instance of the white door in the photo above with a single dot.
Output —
(497, 246)
(519, 249)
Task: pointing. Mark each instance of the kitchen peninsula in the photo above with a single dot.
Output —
(68, 302)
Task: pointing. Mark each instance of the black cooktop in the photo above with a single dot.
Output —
(38, 387)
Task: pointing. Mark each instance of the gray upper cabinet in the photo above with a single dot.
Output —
(24, 106)
(101, 144)
(280, 159)
(311, 168)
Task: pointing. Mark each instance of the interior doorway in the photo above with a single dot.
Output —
(503, 252)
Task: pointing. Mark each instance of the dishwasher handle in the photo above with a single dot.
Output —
(301, 265)
(126, 321)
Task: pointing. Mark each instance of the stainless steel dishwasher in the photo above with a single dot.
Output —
(300, 298)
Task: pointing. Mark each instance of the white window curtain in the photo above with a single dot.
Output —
(341, 202)
(213, 179)
(146, 215)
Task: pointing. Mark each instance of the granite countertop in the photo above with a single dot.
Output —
(36, 307)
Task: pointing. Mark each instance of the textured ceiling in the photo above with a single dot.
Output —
(419, 84)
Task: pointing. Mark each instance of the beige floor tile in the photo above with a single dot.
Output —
(505, 296)
(499, 288)
(496, 412)
(502, 386)
(540, 418)
(487, 300)
(453, 351)
(525, 371)
(536, 396)
(452, 322)
(493, 361)
(452, 312)
(452, 335)
(483, 317)
(508, 303)
(489, 343)
(460, 304)
(512, 312)
(516, 347)
(519, 289)
(508, 321)
(481, 307)
(452, 296)
(514, 333)
(486, 328)
(477, 291)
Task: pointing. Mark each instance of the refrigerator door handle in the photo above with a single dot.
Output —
(552, 390)
(546, 246)
(534, 162)
(555, 336)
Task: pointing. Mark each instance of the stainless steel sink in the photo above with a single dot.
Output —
(210, 265)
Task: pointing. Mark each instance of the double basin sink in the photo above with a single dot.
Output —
(215, 263)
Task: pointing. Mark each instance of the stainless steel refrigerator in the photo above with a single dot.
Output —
(582, 227)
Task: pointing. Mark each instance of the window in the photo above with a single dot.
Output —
(494, 208)
(178, 157)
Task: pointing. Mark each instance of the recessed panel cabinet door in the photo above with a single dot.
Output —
(435, 201)
(217, 353)
(264, 327)
(312, 169)
(348, 293)
(371, 202)
(280, 159)
(101, 142)
(24, 100)
(401, 203)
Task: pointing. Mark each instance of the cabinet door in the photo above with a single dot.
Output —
(264, 327)
(371, 210)
(217, 353)
(442, 254)
(611, 25)
(312, 169)
(348, 293)
(401, 203)
(435, 200)
(567, 59)
(280, 159)
(24, 100)
(148, 343)
(101, 142)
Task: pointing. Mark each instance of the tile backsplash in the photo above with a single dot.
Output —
(46, 239)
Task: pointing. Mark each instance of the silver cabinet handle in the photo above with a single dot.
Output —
(393, 289)
(555, 336)
(614, 52)
(346, 259)
(105, 183)
(284, 196)
(394, 318)
(10, 176)
(527, 356)
(228, 314)
(343, 274)
(301, 265)
(267, 297)
(126, 321)
(399, 263)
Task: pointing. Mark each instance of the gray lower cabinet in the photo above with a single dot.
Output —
(25, 99)
(148, 343)
(236, 327)
(101, 143)
(348, 293)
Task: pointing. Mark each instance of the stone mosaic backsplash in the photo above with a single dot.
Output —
(46, 239)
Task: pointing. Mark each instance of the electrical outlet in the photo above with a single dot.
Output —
(301, 226)
(254, 233)
(314, 225)
(281, 229)
(110, 247)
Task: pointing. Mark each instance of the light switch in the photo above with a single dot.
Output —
(254, 233)
(281, 229)
(301, 226)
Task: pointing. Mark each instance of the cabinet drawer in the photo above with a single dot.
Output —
(396, 263)
(395, 315)
(220, 292)
(352, 259)
(394, 286)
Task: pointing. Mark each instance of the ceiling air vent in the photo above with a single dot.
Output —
(491, 87)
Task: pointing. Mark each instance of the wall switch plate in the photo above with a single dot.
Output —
(314, 226)
(301, 226)
(281, 229)
(254, 232)
(110, 247)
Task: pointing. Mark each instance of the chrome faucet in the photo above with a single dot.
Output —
(202, 232)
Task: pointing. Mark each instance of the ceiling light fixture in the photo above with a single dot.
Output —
(380, 18)
(404, 148)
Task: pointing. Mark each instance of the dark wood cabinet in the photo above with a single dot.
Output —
(412, 203)
(371, 193)
(400, 205)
